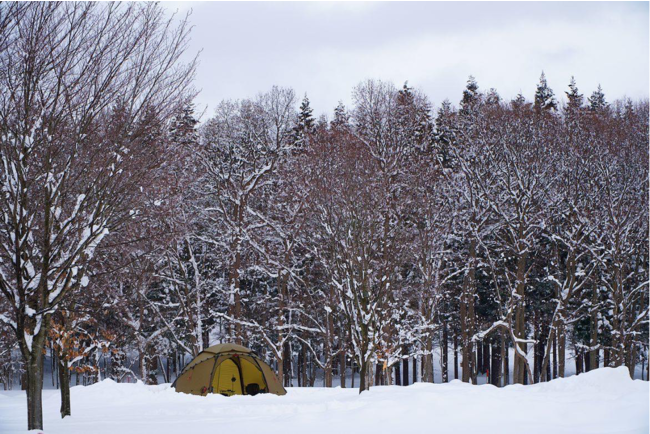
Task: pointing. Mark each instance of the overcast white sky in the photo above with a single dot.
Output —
(325, 49)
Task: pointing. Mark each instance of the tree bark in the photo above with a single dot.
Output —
(415, 369)
(35, 391)
(593, 341)
(398, 375)
(379, 381)
(467, 319)
(521, 364)
(363, 377)
(495, 368)
(405, 369)
(444, 350)
(64, 381)
(455, 357)
(554, 356)
(342, 368)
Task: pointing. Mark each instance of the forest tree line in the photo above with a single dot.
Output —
(493, 237)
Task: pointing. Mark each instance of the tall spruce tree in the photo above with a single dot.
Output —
(341, 117)
(305, 123)
(597, 102)
(575, 98)
(471, 97)
(492, 97)
(544, 96)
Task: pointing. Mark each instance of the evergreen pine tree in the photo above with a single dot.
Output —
(471, 97)
(519, 102)
(183, 127)
(544, 96)
(305, 124)
(492, 97)
(414, 117)
(444, 135)
(597, 101)
(341, 118)
(574, 96)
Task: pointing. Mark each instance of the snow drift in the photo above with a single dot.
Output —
(601, 401)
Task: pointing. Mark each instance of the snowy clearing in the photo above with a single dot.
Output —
(601, 401)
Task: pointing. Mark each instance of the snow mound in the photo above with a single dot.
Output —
(601, 401)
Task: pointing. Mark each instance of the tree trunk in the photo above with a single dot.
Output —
(579, 363)
(286, 364)
(379, 381)
(593, 341)
(467, 319)
(398, 375)
(486, 356)
(504, 361)
(303, 352)
(521, 364)
(495, 365)
(342, 369)
(455, 357)
(34, 373)
(561, 347)
(444, 353)
(363, 377)
(415, 369)
(554, 357)
(507, 366)
(64, 381)
(280, 370)
(405, 368)
(427, 361)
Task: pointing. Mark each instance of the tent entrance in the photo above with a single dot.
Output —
(227, 379)
(254, 382)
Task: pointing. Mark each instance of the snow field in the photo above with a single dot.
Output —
(601, 401)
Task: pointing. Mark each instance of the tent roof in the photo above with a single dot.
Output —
(226, 348)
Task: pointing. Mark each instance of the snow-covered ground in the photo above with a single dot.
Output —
(601, 401)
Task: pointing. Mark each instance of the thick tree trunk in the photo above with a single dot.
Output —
(287, 365)
(398, 375)
(467, 318)
(427, 361)
(405, 368)
(379, 381)
(303, 352)
(520, 369)
(64, 381)
(236, 313)
(561, 348)
(486, 356)
(415, 369)
(579, 363)
(34, 373)
(280, 370)
(495, 365)
(363, 377)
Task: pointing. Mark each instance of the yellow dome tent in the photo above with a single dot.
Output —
(228, 369)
